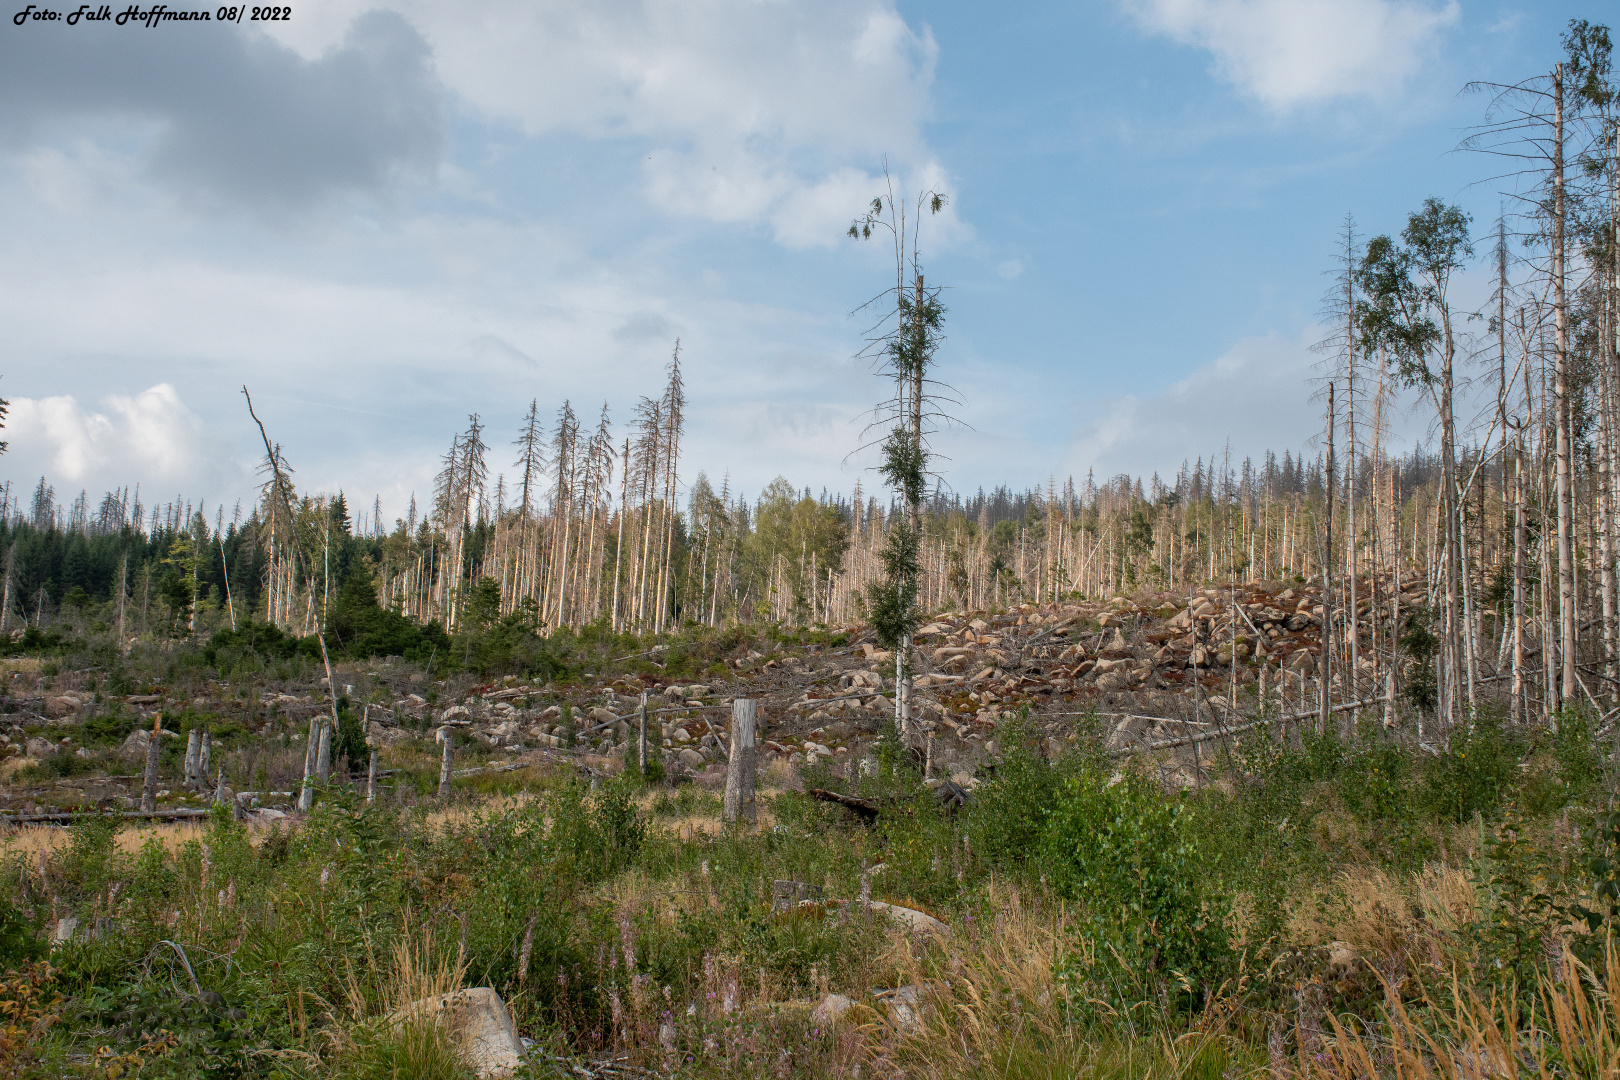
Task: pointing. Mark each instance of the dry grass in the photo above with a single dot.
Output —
(413, 972)
(994, 1006)
(30, 840)
(1386, 918)
(1573, 1029)
(462, 813)
(396, 1027)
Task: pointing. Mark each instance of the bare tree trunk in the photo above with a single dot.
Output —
(1520, 571)
(1328, 485)
(306, 795)
(444, 762)
(323, 756)
(154, 749)
(1564, 479)
(193, 750)
(739, 796)
(641, 735)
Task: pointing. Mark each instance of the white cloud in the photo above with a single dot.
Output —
(1251, 395)
(1287, 53)
(757, 113)
(150, 437)
(1257, 395)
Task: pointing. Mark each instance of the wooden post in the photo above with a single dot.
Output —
(444, 764)
(641, 734)
(739, 798)
(323, 757)
(306, 796)
(205, 755)
(193, 752)
(219, 792)
(371, 779)
(153, 749)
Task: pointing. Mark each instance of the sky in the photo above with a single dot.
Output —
(383, 217)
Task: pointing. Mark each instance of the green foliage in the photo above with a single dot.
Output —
(1422, 688)
(262, 641)
(349, 746)
(892, 602)
(357, 627)
(483, 606)
(111, 726)
(598, 833)
(419, 1049)
(21, 936)
(34, 642)
(184, 1036)
(1474, 774)
(1520, 907)
(1152, 928)
(1008, 817)
(510, 646)
(1405, 287)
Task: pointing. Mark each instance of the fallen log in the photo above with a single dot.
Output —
(66, 816)
(866, 808)
(1223, 732)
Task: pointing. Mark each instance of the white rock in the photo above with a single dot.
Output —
(911, 918)
(830, 1009)
(904, 1011)
(477, 1019)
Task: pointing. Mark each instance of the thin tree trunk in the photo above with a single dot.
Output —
(1563, 451)
(154, 750)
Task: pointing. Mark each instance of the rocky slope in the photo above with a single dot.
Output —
(1150, 670)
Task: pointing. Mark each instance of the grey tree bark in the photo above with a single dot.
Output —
(154, 748)
(444, 764)
(739, 797)
(306, 795)
(193, 752)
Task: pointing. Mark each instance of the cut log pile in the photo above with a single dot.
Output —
(1158, 672)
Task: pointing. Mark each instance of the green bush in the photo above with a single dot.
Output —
(597, 834)
(1008, 816)
(1126, 854)
(1475, 774)
(21, 941)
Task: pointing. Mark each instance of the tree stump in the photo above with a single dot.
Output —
(739, 799)
(193, 753)
(444, 764)
(154, 747)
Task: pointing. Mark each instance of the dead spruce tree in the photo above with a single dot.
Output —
(906, 354)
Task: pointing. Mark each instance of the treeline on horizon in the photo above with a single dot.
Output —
(181, 573)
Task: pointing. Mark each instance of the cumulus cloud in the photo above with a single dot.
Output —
(1250, 395)
(1254, 397)
(232, 115)
(754, 113)
(150, 437)
(1286, 53)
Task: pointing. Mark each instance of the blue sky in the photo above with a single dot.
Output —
(383, 218)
